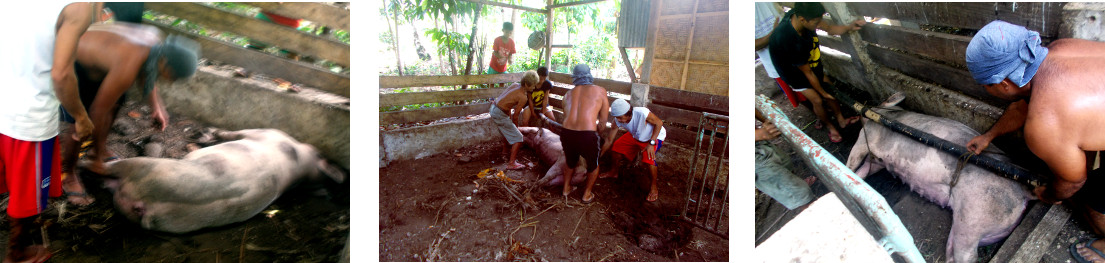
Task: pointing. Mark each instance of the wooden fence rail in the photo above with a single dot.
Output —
(319, 13)
(286, 37)
(391, 82)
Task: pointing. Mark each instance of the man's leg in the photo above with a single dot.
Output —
(99, 144)
(21, 247)
(653, 192)
(591, 176)
(819, 110)
(613, 173)
(28, 169)
(513, 163)
(71, 183)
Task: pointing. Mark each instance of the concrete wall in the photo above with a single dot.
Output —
(216, 98)
(418, 142)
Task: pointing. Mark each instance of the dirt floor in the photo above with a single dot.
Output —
(303, 225)
(438, 209)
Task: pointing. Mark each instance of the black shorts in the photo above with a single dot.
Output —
(581, 143)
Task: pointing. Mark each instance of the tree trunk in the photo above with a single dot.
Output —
(441, 58)
(395, 40)
(472, 43)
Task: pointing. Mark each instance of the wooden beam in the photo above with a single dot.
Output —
(610, 85)
(527, 9)
(268, 64)
(388, 82)
(1039, 241)
(952, 78)
(628, 65)
(563, 46)
(689, 100)
(650, 41)
(700, 62)
(1042, 17)
(690, 43)
(323, 14)
(681, 16)
(409, 98)
(948, 48)
(675, 115)
(432, 114)
(278, 35)
(548, 36)
(583, 2)
(1015, 240)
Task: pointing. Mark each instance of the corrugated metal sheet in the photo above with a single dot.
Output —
(633, 23)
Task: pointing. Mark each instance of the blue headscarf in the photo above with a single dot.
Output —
(581, 75)
(1002, 50)
(181, 57)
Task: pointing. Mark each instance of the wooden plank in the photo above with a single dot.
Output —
(402, 99)
(947, 76)
(693, 101)
(281, 36)
(432, 114)
(1041, 17)
(650, 41)
(388, 82)
(833, 42)
(610, 85)
(686, 139)
(527, 9)
(323, 14)
(628, 64)
(582, 2)
(685, 16)
(1017, 238)
(675, 115)
(690, 44)
(1039, 241)
(260, 62)
(948, 48)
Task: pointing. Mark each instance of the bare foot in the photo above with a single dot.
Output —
(810, 180)
(834, 136)
(97, 167)
(653, 194)
(848, 121)
(74, 191)
(35, 253)
(515, 166)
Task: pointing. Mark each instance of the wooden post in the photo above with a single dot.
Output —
(548, 36)
(628, 65)
(650, 40)
(690, 43)
(860, 58)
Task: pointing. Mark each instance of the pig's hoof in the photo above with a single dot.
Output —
(1086, 243)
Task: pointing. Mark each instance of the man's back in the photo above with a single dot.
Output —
(589, 103)
(105, 48)
(1066, 94)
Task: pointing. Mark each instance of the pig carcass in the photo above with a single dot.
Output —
(985, 207)
(549, 150)
(222, 184)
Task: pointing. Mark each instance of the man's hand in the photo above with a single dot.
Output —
(827, 96)
(979, 143)
(84, 129)
(160, 118)
(768, 132)
(1042, 193)
(651, 152)
(858, 24)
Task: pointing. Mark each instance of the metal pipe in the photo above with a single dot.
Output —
(895, 239)
(1007, 170)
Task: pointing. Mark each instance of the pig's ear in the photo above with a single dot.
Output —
(325, 168)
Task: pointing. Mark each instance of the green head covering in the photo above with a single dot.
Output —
(181, 58)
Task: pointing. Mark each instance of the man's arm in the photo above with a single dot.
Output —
(72, 23)
(532, 110)
(836, 30)
(816, 83)
(115, 83)
(160, 115)
(657, 124)
(1065, 159)
(1012, 120)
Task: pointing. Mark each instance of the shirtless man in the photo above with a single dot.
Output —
(540, 98)
(585, 117)
(1063, 121)
(110, 59)
(507, 108)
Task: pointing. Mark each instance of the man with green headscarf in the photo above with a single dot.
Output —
(110, 59)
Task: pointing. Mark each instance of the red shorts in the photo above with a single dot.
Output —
(628, 146)
(792, 95)
(31, 172)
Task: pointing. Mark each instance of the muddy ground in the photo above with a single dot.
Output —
(305, 225)
(437, 209)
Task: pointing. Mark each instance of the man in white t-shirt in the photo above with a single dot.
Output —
(645, 131)
(767, 18)
(38, 74)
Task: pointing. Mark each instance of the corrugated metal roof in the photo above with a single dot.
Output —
(633, 23)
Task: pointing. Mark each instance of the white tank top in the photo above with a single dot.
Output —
(639, 128)
(28, 106)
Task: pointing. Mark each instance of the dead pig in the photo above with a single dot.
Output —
(985, 207)
(218, 185)
(551, 153)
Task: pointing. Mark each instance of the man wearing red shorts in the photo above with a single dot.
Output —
(645, 131)
(38, 79)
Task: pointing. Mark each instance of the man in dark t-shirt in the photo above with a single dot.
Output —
(796, 54)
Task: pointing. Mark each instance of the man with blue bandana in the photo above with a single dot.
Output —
(111, 58)
(585, 118)
(1059, 92)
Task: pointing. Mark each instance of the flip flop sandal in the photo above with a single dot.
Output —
(1088, 244)
(585, 201)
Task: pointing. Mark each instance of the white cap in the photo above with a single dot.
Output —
(619, 108)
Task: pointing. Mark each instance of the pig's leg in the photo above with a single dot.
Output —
(553, 176)
(964, 237)
(858, 159)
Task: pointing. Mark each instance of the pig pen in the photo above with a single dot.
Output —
(928, 223)
(436, 208)
(305, 224)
